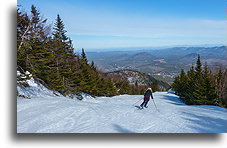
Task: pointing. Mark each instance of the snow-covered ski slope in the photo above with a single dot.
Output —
(45, 113)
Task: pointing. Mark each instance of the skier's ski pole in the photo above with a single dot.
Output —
(155, 105)
(138, 101)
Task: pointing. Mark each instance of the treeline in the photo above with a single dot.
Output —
(48, 54)
(201, 86)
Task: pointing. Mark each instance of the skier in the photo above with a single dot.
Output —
(147, 96)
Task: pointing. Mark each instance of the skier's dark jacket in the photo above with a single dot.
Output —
(148, 94)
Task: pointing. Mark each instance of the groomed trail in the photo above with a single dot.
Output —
(52, 114)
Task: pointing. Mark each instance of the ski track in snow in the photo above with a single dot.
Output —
(117, 115)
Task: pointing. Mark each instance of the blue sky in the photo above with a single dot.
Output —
(98, 24)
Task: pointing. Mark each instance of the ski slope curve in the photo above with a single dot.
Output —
(52, 114)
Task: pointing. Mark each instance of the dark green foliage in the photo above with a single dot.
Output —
(155, 87)
(84, 57)
(59, 30)
(93, 65)
(198, 68)
(52, 61)
(199, 86)
(204, 90)
(123, 87)
(22, 30)
(180, 83)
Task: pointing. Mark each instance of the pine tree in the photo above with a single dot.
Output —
(155, 87)
(183, 81)
(224, 88)
(190, 86)
(210, 94)
(179, 84)
(123, 87)
(63, 58)
(109, 88)
(205, 92)
(35, 20)
(198, 93)
(84, 57)
(59, 30)
(71, 49)
(175, 85)
(218, 82)
(198, 68)
(93, 65)
(38, 27)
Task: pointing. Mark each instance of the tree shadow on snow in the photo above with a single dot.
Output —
(210, 107)
(173, 100)
(205, 124)
(120, 129)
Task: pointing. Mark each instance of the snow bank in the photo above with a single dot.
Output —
(85, 97)
(171, 91)
(35, 89)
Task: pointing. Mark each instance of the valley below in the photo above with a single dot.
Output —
(163, 64)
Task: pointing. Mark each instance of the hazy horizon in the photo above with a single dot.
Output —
(101, 24)
(145, 48)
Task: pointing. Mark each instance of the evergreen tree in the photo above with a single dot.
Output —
(198, 92)
(209, 93)
(224, 88)
(190, 86)
(71, 49)
(59, 30)
(183, 81)
(38, 27)
(198, 68)
(155, 87)
(179, 84)
(109, 88)
(205, 92)
(123, 87)
(84, 57)
(175, 85)
(93, 65)
(218, 77)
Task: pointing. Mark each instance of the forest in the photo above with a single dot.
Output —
(201, 86)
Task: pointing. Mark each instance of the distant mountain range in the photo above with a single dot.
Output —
(138, 77)
(160, 62)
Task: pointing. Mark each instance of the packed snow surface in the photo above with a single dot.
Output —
(52, 114)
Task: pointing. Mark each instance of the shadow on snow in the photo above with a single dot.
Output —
(205, 124)
(120, 129)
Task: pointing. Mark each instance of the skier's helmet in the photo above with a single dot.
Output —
(149, 89)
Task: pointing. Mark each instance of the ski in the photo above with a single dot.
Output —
(139, 107)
